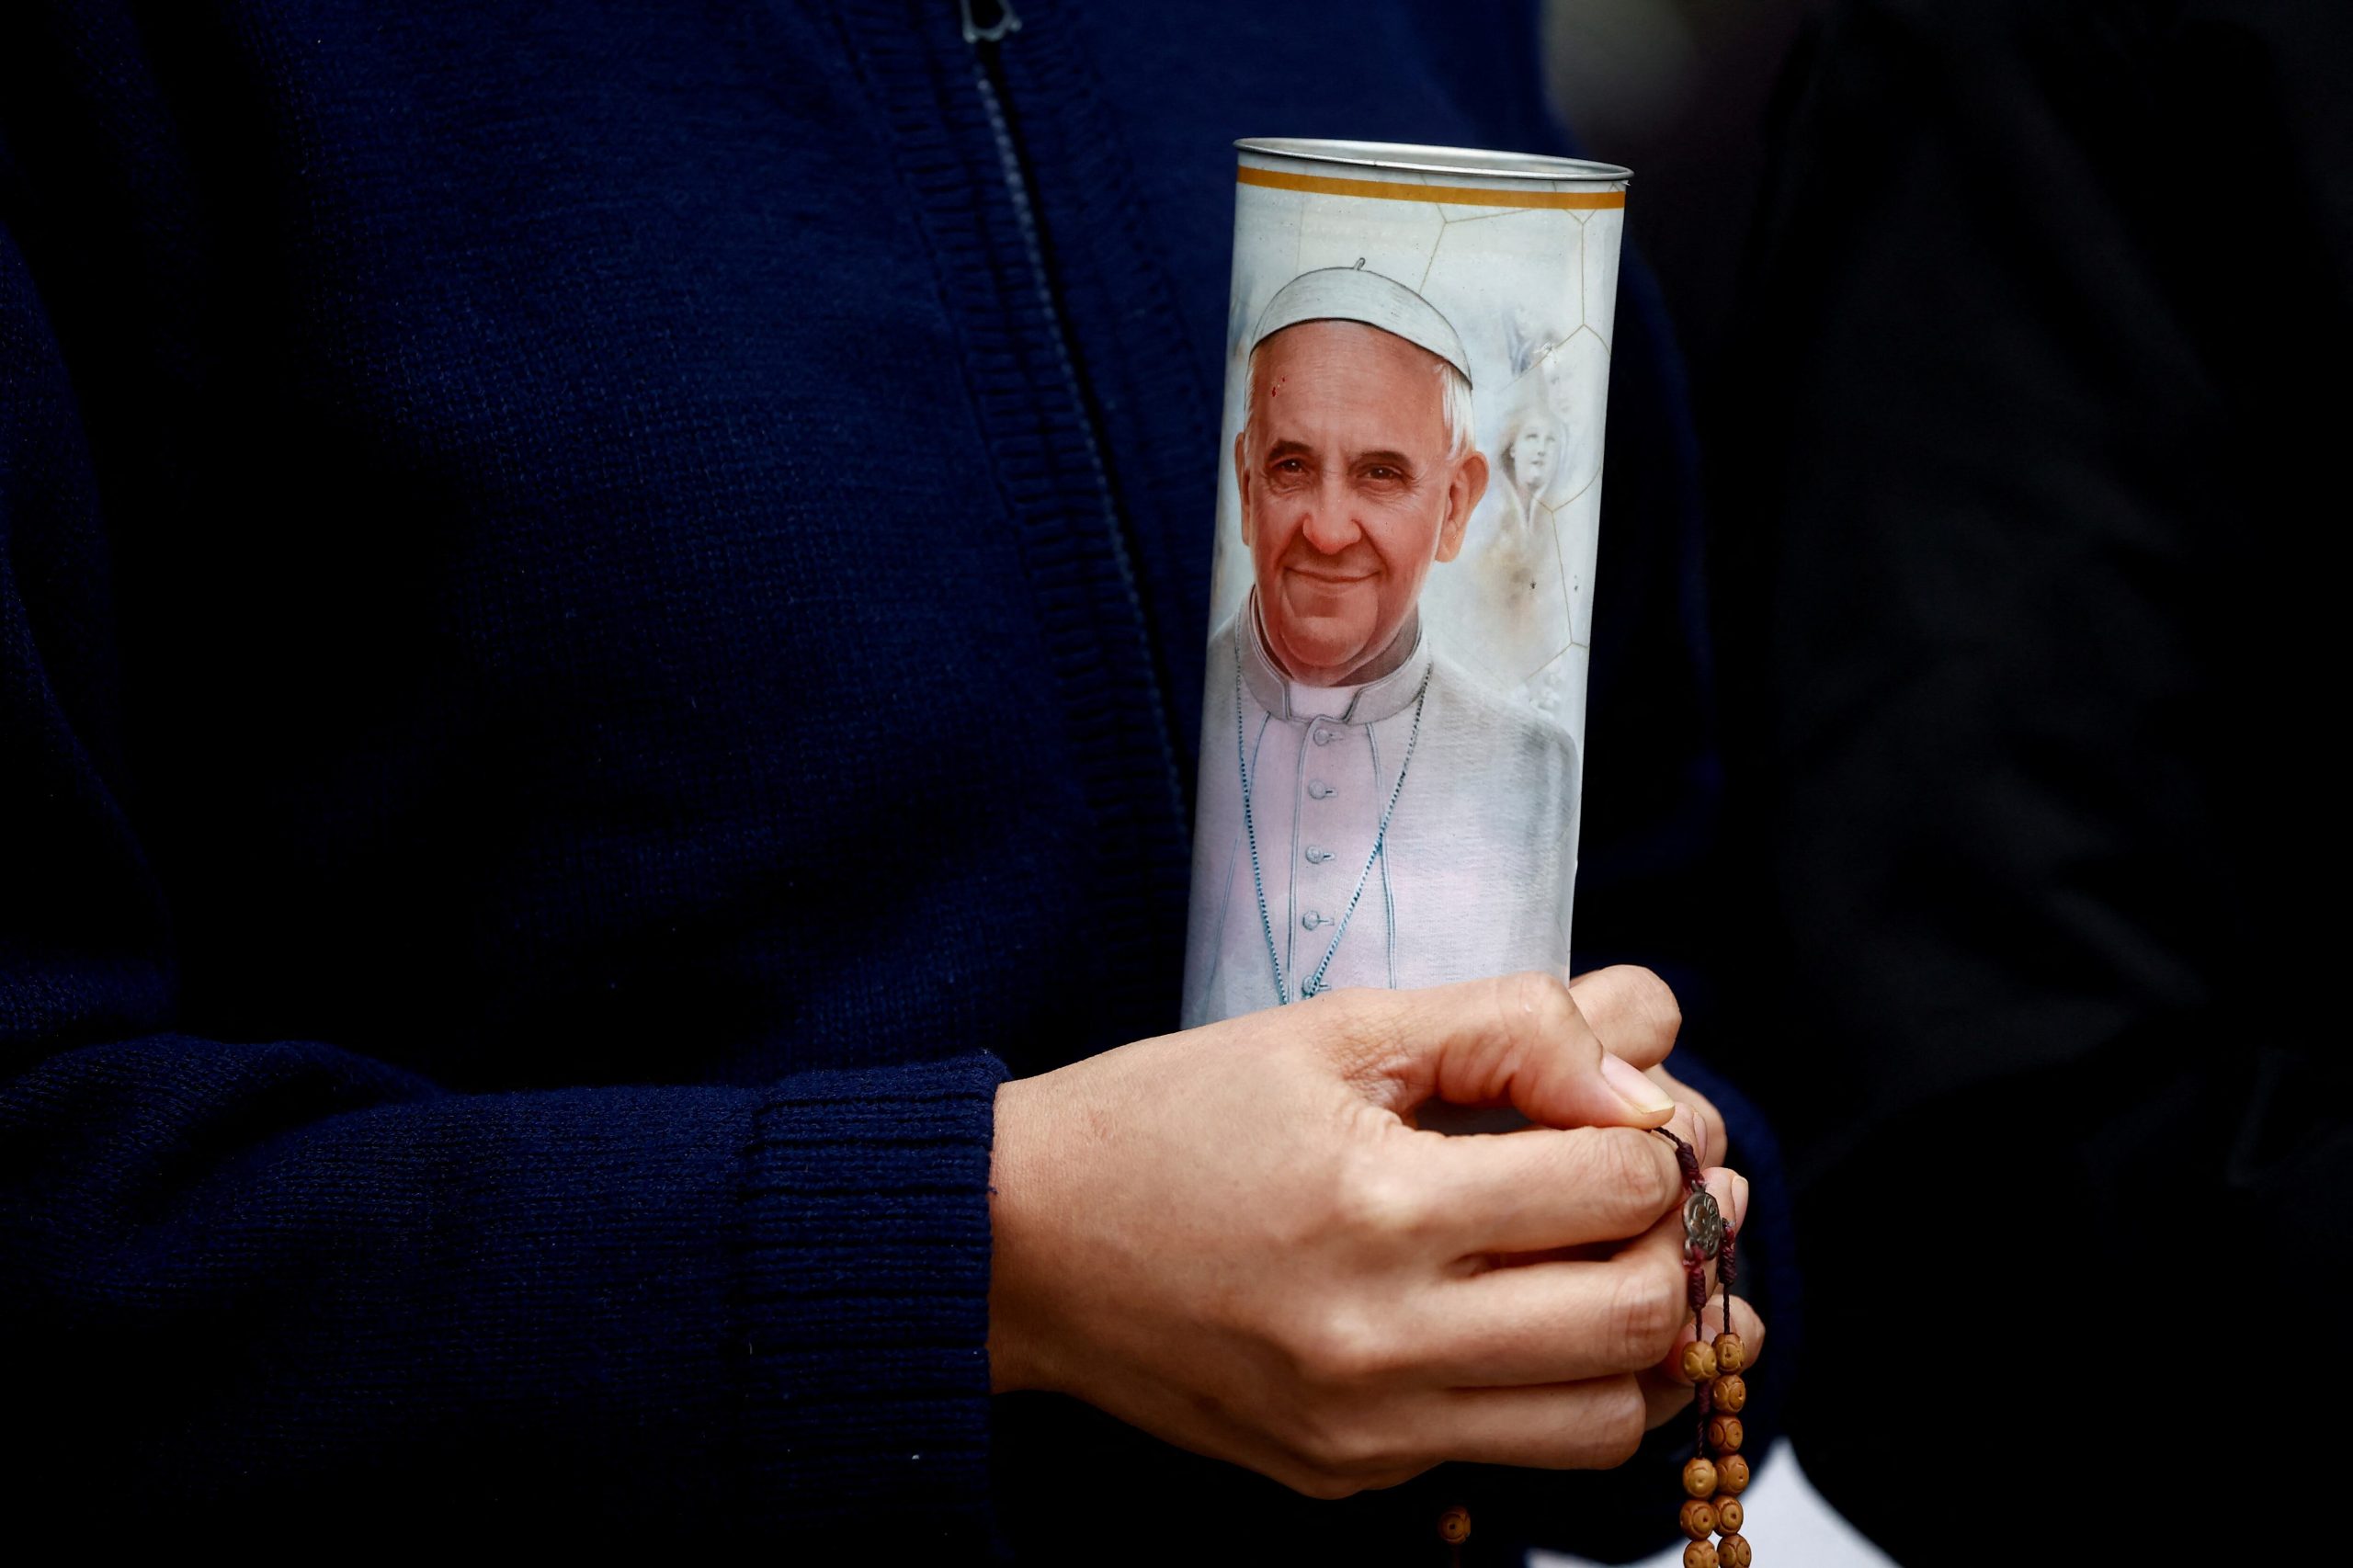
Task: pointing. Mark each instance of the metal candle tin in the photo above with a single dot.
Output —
(1408, 506)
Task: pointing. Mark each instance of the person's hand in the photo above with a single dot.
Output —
(1638, 1019)
(1237, 1239)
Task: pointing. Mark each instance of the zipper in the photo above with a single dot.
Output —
(987, 24)
(988, 21)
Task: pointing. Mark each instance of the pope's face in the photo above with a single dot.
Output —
(1348, 492)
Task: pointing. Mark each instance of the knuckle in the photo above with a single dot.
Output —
(1645, 1011)
(1654, 1000)
(1646, 1315)
(1344, 1349)
(1541, 999)
(1376, 1201)
(1631, 1176)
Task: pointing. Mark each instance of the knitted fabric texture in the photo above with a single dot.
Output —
(600, 629)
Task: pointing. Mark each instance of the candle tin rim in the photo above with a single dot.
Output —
(1415, 158)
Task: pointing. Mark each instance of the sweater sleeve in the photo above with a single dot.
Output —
(279, 1282)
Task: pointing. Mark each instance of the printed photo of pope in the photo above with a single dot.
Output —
(1369, 814)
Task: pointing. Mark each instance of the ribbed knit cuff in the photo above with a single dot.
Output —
(866, 1282)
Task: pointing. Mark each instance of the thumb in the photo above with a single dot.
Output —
(1518, 1039)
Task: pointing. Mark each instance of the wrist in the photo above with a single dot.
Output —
(1013, 1216)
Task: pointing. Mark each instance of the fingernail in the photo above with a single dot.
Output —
(1739, 1201)
(1633, 1085)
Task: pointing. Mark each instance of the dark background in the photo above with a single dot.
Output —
(2018, 336)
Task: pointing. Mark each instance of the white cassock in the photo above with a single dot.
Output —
(1472, 878)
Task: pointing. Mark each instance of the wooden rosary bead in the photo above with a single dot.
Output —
(1454, 1526)
(1698, 1520)
(1732, 1474)
(1724, 1434)
(1730, 1515)
(1732, 1355)
(1699, 1478)
(1729, 1393)
(1732, 1551)
(1700, 1554)
(1698, 1362)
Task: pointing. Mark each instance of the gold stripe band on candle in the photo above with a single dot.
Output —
(1453, 195)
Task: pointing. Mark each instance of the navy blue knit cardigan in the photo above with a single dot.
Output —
(600, 629)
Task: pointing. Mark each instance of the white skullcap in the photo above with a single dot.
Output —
(1350, 294)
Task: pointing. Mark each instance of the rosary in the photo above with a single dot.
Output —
(1712, 1507)
(1714, 1485)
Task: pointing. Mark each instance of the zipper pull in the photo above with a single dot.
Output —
(987, 21)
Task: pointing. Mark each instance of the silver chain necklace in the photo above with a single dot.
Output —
(1314, 982)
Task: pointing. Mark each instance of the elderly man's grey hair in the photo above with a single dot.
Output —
(1454, 393)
